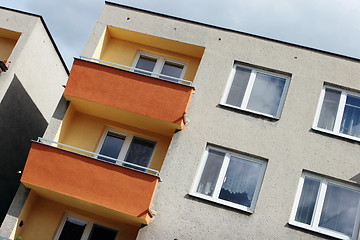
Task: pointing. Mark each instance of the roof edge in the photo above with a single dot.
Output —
(235, 31)
(47, 31)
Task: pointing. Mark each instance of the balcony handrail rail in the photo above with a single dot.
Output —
(131, 69)
(96, 155)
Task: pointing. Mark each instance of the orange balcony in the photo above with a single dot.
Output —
(128, 97)
(86, 183)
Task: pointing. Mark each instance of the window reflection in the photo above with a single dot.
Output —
(266, 94)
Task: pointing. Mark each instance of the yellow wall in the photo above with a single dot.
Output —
(124, 52)
(84, 131)
(6, 47)
(102, 44)
(8, 40)
(42, 218)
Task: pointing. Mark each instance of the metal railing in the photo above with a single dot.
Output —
(141, 71)
(96, 156)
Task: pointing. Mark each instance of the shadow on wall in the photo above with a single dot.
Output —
(20, 122)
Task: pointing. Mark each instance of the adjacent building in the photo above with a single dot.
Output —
(180, 130)
(31, 78)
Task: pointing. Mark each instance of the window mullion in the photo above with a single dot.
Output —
(125, 147)
(87, 231)
(248, 89)
(221, 177)
(158, 66)
(340, 112)
(319, 204)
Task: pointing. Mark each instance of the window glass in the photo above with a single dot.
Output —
(266, 94)
(140, 152)
(328, 207)
(73, 229)
(127, 148)
(350, 123)
(240, 181)
(171, 69)
(230, 179)
(341, 207)
(329, 109)
(102, 233)
(211, 172)
(145, 63)
(111, 146)
(339, 113)
(159, 67)
(238, 87)
(257, 91)
(307, 201)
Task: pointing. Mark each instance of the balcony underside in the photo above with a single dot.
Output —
(128, 97)
(85, 183)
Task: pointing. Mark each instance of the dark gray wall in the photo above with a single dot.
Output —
(20, 122)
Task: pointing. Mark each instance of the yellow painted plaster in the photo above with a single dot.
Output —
(102, 44)
(43, 217)
(122, 46)
(8, 40)
(125, 117)
(84, 131)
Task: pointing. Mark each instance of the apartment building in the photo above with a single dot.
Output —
(31, 78)
(182, 130)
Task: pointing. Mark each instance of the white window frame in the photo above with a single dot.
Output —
(249, 88)
(224, 167)
(318, 207)
(126, 145)
(339, 114)
(160, 61)
(87, 231)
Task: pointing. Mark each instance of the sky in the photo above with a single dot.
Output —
(330, 25)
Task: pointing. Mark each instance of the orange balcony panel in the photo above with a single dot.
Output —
(89, 184)
(128, 91)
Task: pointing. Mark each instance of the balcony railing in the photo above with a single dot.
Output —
(141, 71)
(97, 155)
(128, 97)
(81, 181)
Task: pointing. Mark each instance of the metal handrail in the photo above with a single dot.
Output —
(147, 73)
(96, 155)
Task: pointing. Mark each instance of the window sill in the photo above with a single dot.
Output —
(249, 112)
(336, 135)
(222, 202)
(320, 231)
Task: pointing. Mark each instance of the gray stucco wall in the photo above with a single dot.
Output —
(289, 144)
(29, 93)
(20, 121)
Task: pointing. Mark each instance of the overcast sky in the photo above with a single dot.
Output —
(330, 25)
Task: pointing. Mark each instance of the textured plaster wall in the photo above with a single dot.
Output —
(29, 93)
(289, 144)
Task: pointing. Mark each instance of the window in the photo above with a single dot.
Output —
(160, 67)
(126, 147)
(339, 113)
(256, 91)
(229, 178)
(78, 229)
(327, 207)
